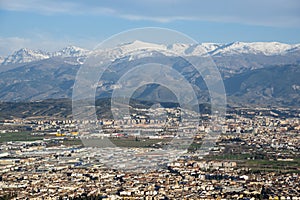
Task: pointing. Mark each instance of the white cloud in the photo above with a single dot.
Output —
(53, 7)
(276, 13)
(280, 13)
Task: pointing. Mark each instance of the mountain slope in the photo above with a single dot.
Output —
(271, 85)
(258, 73)
(51, 78)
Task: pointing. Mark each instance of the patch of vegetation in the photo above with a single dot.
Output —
(136, 142)
(231, 157)
(18, 136)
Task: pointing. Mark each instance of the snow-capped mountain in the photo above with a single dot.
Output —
(25, 56)
(203, 49)
(235, 48)
(265, 48)
(71, 51)
(135, 48)
(139, 45)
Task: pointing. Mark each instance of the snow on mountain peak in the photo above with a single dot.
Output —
(266, 48)
(137, 44)
(71, 51)
(178, 48)
(135, 48)
(25, 55)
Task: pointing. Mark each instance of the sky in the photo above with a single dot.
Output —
(53, 24)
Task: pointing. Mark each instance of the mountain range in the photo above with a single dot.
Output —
(254, 73)
(25, 55)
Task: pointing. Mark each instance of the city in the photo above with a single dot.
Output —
(257, 156)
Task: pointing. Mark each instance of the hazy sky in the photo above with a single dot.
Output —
(53, 24)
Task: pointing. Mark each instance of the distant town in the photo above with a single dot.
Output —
(256, 156)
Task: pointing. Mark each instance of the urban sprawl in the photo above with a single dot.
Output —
(256, 156)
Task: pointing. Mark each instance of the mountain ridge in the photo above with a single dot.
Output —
(26, 55)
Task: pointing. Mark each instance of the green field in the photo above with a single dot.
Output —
(260, 164)
(132, 142)
(231, 156)
(120, 142)
(18, 136)
(274, 165)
